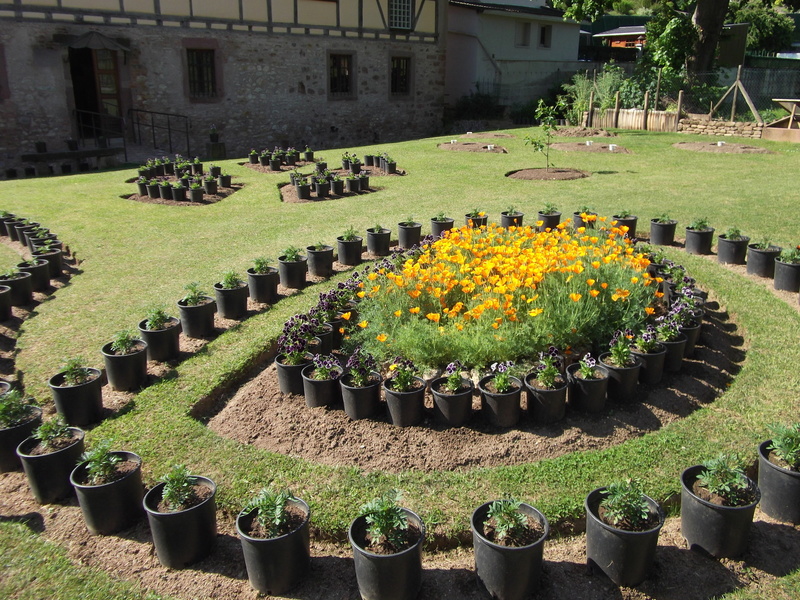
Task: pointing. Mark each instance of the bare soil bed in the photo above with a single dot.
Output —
(582, 147)
(289, 193)
(221, 194)
(583, 132)
(552, 174)
(726, 148)
(472, 147)
(259, 414)
(487, 134)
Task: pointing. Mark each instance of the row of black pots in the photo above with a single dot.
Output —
(324, 189)
(183, 192)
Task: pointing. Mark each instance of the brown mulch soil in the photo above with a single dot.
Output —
(583, 132)
(554, 174)
(121, 469)
(485, 135)
(284, 168)
(582, 147)
(295, 517)
(472, 147)
(221, 194)
(289, 192)
(532, 532)
(727, 148)
(201, 493)
(259, 414)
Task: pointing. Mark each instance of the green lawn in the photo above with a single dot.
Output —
(134, 255)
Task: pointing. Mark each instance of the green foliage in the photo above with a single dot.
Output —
(402, 373)
(547, 115)
(178, 490)
(663, 218)
(291, 254)
(671, 37)
(231, 280)
(270, 506)
(620, 349)
(453, 380)
(350, 234)
(194, 295)
(509, 522)
(769, 31)
(386, 521)
(502, 376)
(124, 341)
(325, 367)
(101, 464)
(360, 366)
(440, 217)
(549, 209)
(53, 431)
(15, 408)
(699, 224)
(156, 318)
(733, 233)
(625, 504)
(786, 443)
(791, 255)
(546, 369)
(261, 265)
(725, 477)
(74, 371)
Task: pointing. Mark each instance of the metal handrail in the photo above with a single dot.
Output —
(100, 126)
(158, 122)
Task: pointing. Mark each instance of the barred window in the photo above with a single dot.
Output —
(340, 68)
(401, 14)
(401, 75)
(202, 73)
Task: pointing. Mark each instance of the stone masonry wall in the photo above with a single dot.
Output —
(720, 128)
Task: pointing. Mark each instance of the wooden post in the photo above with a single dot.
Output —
(617, 105)
(736, 92)
(680, 109)
(590, 113)
(658, 90)
(646, 108)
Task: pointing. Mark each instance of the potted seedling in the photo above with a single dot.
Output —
(125, 357)
(622, 527)
(20, 284)
(626, 218)
(361, 385)
(320, 260)
(787, 270)
(549, 216)
(196, 192)
(231, 294)
(623, 367)
(699, 236)
(19, 416)
(732, 247)
(387, 549)
(779, 473)
(718, 502)
(404, 393)
(262, 281)
(48, 457)
(476, 218)
(292, 267)
(585, 216)
(109, 488)
(547, 389)
(439, 224)
(293, 350)
(378, 240)
(77, 392)
(452, 396)
(511, 217)
(761, 258)
(588, 385)
(161, 333)
(662, 230)
(508, 538)
(178, 192)
(321, 381)
(48, 250)
(274, 532)
(349, 247)
(182, 514)
(196, 310)
(408, 233)
(500, 395)
(40, 273)
(652, 353)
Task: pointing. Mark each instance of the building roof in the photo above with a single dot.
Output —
(510, 8)
(628, 31)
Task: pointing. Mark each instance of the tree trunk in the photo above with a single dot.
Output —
(708, 18)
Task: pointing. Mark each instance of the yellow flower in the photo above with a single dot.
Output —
(360, 294)
(634, 280)
(346, 316)
(363, 324)
(398, 312)
(535, 312)
(381, 337)
(574, 296)
(594, 293)
(590, 282)
(414, 310)
(433, 317)
(649, 310)
(596, 264)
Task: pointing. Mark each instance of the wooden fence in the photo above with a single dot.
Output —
(634, 118)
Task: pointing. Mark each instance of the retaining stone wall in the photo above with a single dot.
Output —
(720, 128)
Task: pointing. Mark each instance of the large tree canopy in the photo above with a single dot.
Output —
(769, 30)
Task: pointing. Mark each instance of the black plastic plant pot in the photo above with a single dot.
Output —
(408, 235)
(231, 303)
(184, 537)
(11, 437)
(675, 351)
(40, 274)
(378, 242)
(630, 223)
(587, 395)
(79, 404)
(276, 565)
(54, 258)
(787, 276)
(549, 221)
(48, 474)
(197, 320)
(293, 272)
(762, 262)
(501, 409)
(5, 303)
(652, 366)
(780, 488)
(110, 507)
(290, 377)
(507, 220)
(387, 576)
(162, 344)
(732, 252)
(624, 556)
(405, 408)
(454, 410)
(21, 288)
(349, 251)
(320, 392)
(662, 234)
(622, 381)
(439, 227)
(692, 333)
(361, 402)
(545, 406)
(263, 286)
(126, 372)
(320, 262)
(722, 531)
(508, 572)
(11, 228)
(699, 241)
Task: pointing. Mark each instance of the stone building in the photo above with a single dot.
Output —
(326, 73)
